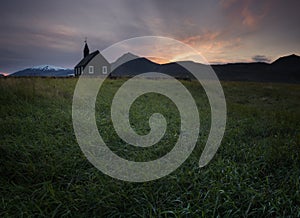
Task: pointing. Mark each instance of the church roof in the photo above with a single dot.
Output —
(87, 59)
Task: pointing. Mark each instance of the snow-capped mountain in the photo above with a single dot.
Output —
(3, 74)
(45, 71)
(48, 67)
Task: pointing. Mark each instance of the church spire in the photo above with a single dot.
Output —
(86, 50)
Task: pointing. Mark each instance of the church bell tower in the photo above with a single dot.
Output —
(86, 50)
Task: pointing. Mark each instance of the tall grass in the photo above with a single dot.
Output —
(43, 173)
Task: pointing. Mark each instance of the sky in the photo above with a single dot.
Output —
(38, 32)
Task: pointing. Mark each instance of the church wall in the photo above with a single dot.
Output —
(97, 62)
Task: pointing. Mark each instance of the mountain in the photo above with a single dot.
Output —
(45, 71)
(290, 60)
(130, 65)
(2, 74)
(285, 69)
(123, 59)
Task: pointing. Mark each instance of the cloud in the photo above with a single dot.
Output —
(261, 58)
(227, 3)
(245, 14)
(214, 46)
(52, 32)
(252, 16)
(207, 36)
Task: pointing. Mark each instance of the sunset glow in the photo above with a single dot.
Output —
(4, 74)
(222, 31)
(159, 60)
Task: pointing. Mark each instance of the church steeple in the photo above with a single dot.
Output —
(86, 50)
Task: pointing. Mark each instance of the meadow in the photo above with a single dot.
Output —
(43, 172)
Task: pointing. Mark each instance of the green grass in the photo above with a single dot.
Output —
(43, 173)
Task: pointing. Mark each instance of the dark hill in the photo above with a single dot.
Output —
(285, 69)
(135, 67)
(290, 60)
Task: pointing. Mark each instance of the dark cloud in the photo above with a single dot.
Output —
(37, 32)
(261, 58)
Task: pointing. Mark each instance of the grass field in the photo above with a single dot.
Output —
(43, 173)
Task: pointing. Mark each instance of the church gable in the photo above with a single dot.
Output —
(93, 64)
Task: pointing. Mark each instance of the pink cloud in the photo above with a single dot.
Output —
(248, 13)
(205, 37)
(4, 74)
(227, 3)
(252, 18)
(213, 44)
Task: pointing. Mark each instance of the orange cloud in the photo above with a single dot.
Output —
(158, 60)
(214, 46)
(207, 36)
(251, 19)
(248, 13)
(227, 3)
